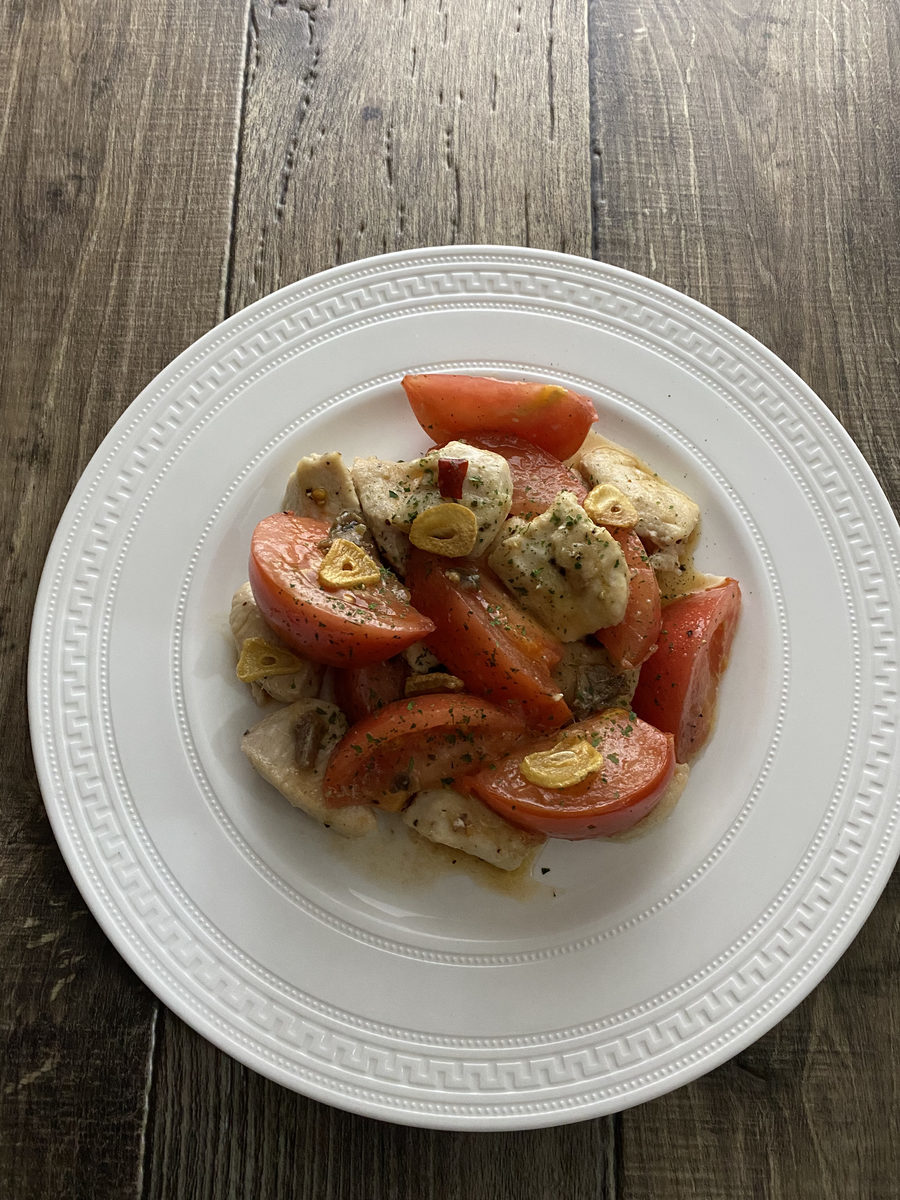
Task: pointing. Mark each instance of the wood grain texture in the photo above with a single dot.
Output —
(809, 1111)
(368, 128)
(221, 1130)
(117, 137)
(166, 163)
(377, 127)
(746, 153)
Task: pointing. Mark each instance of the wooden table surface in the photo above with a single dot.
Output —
(166, 162)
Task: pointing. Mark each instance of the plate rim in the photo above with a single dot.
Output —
(105, 918)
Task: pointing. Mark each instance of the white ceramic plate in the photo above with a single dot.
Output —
(632, 968)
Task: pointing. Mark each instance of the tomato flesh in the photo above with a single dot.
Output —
(638, 765)
(633, 640)
(678, 684)
(361, 691)
(338, 628)
(414, 744)
(537, 476)
(482, 636)
(452, 406)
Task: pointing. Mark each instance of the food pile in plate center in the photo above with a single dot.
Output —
(492, 641)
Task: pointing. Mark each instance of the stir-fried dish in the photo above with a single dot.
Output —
(489, 641)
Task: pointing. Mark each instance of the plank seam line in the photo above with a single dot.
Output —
(596, 184)
(143, 1154)
(252, 33)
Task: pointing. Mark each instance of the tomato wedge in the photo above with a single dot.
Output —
(634, 639)
(337, 628)
(537, 476)
(360, 691)
(481, 635)
(414, 744)
(678, 684)
(638, 764)
(452, 406)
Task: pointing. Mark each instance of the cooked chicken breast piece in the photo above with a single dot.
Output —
(567, 571)
(421, 660)
(384, 490)
(246, 621)
(320, 487)
(665, 514)
(486, 488)
(392, 495)
(290, 750)
(464, 823)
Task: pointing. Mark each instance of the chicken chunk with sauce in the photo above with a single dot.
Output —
(567, 571)
(290, 750)
(666, 516)
(246, 622)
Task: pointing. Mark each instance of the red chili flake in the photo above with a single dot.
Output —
(451, 474)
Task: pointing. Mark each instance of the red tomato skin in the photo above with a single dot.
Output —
(451, 406)
(336, 628)
(484, 638)
(413, 744)
(634, 639)
(678, 684)
(361, 691)
(537, 476)
(638, 767)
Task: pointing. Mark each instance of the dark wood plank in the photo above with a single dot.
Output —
(291, 1147)
(369, 128)
(807, 1112)
(747, 155)
(744, 152)
(376, 127)
(117, 137)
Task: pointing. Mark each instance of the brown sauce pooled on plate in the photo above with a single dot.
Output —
(398, 856)
(685, 578)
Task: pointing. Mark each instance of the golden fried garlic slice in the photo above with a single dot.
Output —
(608, 505)
(246, 622)
(347, 565)
(432, 681)
(569, 762)
(450, 530)
(260, 659)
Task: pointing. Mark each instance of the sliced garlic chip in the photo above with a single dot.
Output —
(260, 658)
(608, 505)
(347, 565)
(569, 762)
(432, 681)
(447, 529)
